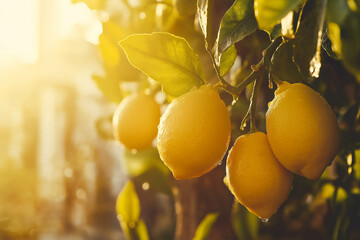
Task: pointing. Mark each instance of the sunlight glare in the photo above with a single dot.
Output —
(19, 30)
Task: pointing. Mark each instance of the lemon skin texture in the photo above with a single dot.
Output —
(255, 176)
(302, 130)
(194, 133)
(135, 121)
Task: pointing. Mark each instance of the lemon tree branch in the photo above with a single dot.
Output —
(257, 70)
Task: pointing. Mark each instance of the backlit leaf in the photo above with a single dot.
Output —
(205, 11)
(238, 22)
(128, 205)
(110, 52)
(165, 58)
(204, 227)
(269, 13)
(307, 44)
(227, 60)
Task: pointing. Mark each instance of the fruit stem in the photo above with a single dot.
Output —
(251, 112)
(252, 106)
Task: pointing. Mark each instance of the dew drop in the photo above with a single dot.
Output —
(264, 220)
(243, 126)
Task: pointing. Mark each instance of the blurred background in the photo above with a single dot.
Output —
(58, 178)
(62, 75)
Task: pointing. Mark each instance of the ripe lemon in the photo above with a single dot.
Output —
(194, 133)
(135, 121)
(302, 130)
(255, 176)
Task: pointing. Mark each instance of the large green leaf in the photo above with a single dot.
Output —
(205, 11)
(227, 60)
(307, 44)
(238, 22)
(128, 205)
(204, 227)
(269, 13)
(165, 58)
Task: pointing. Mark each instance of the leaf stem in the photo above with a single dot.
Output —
(223, 83)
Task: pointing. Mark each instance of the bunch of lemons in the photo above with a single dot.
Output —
(193, 136)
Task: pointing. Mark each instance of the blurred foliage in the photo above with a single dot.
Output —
(204, 227)
(128, 210)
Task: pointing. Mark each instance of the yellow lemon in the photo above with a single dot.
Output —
(302, 130)
(255, 176)
(194, 133)
(135, 121)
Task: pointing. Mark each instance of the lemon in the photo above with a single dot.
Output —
(135, 121)
(194, 133)
(255, 176)
(302, 130)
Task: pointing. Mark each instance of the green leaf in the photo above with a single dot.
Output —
(307, 44)
(245, 224)
(283, 66)
(141, 231)
(334, 36)
(269, 13)
(350, 42)
(128, 204)
(227, 60)
(165, 58)
(204, 227)
(205, 11)
(337, 10)
(140, 162)
(238, 22)
(110, 52)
